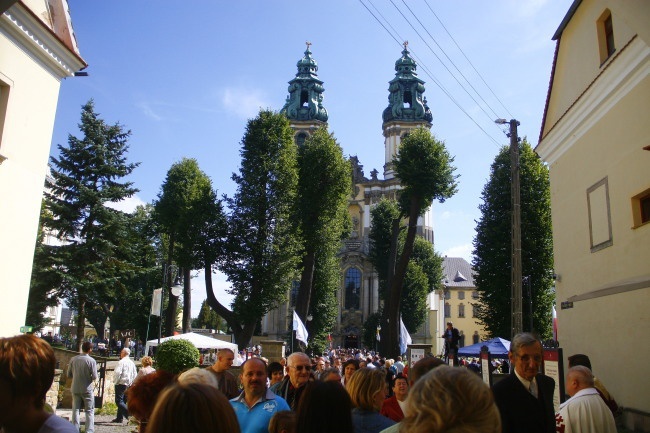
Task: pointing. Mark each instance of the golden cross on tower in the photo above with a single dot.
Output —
(308, 45)
(406, 43)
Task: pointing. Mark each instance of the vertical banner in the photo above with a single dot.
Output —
(156, 301)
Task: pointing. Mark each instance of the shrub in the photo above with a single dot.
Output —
(176, 356)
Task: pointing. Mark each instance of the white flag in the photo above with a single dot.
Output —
(155, 302)
(404, 337)
(299, 327)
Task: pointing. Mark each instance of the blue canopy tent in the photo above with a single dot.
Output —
(498, 348)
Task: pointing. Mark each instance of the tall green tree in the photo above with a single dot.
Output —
(191, 215)
(263, 249)
(86, 176)
(425, 170)
(323, 188)
(208, 318)
(45, 279)
(424, 272)
(492, 245)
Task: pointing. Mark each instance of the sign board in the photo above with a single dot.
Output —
(416, 355)
(553, 368)
(485, 367)
(25, 329)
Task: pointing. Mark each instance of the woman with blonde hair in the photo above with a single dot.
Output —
(147, 367)
(367, 389)
(193, 408)
(451, 400)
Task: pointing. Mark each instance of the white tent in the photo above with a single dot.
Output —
(198, 340)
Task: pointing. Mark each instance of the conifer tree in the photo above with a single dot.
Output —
(492, 246)
(87, 175)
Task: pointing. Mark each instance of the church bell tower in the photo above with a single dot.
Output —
(407, 108)
(304, 105)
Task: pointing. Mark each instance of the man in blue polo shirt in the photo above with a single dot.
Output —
(256, 404)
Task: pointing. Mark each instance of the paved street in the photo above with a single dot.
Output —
(102, 423)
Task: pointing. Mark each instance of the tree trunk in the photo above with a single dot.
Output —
(187, 301)
(170, 318)
(396, 285)
(81, 322)
(306, 282)
(384, 344)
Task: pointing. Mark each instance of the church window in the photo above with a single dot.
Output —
(352, 288)
(408, 98)
(300, 139)
(304, 98)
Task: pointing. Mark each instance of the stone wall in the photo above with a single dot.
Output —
(62, 383)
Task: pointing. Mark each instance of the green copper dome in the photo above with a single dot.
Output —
(405, 99)
(305, 100)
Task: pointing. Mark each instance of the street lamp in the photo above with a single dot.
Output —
(176, 290)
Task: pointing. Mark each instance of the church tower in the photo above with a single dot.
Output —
(304, 105)
(407, 108)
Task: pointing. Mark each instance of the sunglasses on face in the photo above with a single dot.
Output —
(301, 367)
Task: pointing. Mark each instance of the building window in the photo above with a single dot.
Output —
(475, 294)
(641, 208)
(600, 218)
(293, 297)
(461, 295)
(605, 31)
(475, 337)
(300, 139)
(447, 309)
(461, 310)
(447, 294)
(352, 288)
(474, 310)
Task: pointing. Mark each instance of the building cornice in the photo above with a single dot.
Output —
(621, 77)
(20, 25)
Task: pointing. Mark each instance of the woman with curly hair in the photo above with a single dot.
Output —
(367, 389)
(451, 400)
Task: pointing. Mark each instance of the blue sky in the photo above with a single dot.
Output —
(185, 77)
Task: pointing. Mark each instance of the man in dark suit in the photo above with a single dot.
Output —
(452, 338)
(525, 397)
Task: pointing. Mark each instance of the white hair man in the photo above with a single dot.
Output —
(299, 369)
(585, 411)
(123, 377)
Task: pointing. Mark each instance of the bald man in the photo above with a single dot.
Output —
(585, 411)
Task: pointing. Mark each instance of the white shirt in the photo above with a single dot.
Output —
(125, 372)
(585, 412)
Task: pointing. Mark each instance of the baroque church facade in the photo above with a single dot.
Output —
(358, 294)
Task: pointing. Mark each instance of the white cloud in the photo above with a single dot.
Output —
(148, 111)
(243, 102)
(464, 251)
(127, 205)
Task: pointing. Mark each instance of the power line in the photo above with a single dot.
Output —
(423, 66)
(454, 64)
(468, 60)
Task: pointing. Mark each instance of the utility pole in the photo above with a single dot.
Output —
(515, 199)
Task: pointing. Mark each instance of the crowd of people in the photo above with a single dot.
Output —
(346, 391)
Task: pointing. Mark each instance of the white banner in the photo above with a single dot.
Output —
(404, 337)
(156, 301)
(299, 327)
